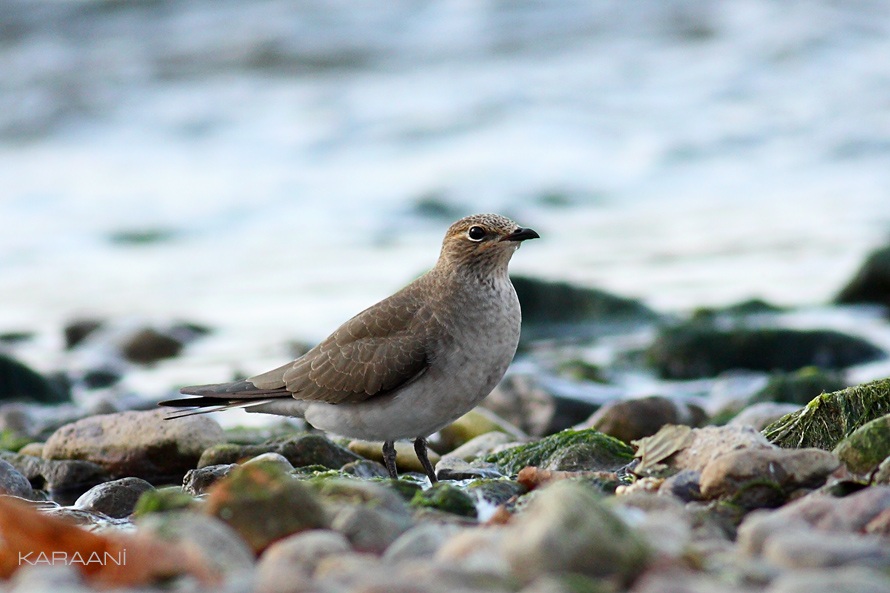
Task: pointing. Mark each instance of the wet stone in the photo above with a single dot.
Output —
(800, 387)
(149, 345)
(871, 283)
(163, 500)
(198, 481)
(116, 499)
(77, 330)
(365, 469)
(290, 562)
(453, 468)
(368, 528)
(274, 459)
(685, 485)
(406, 457)
(447, 498)
(18, 382)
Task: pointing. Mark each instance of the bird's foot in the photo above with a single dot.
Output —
(420, 449)
(389, 459)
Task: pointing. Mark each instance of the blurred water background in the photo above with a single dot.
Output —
(269, 168)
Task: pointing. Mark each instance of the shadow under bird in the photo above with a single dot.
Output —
(409, 365)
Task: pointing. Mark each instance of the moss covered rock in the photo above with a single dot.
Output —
(264, 504)
(445, 497)
(697, 350)
(560, 302)
(20, 383)
(831, 417)
(569, 450)
(867, 446)
(163, 500)
(799, 387)
(871, 284)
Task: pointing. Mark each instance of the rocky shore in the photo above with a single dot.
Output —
(758, 467)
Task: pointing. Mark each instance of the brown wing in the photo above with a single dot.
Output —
(375, 352)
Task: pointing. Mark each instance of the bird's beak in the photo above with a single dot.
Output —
(521, 234)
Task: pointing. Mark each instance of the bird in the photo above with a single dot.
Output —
(407, 366)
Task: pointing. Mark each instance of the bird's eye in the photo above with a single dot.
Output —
(476, 233)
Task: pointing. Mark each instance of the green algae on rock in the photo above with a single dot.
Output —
(445, 497)
(264, 504)
(163, 500)
(831, 417)
(569, 450)
(866, 447)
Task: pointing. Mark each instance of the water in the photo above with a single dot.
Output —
(300, 160)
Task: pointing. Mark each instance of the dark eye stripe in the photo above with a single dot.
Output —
(476, 233)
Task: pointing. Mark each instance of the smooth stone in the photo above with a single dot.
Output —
(287, 565)
(382, 495)
(198, 481)
(48, 579)
(116, 499)
(148, 345)
(33, 449)
(685, 485)
(866, 447)
(759, 416)
(406, 458)
(220, 545)
(13, 483)
(569, 450)
(882, 475)
(370, 529)
(758, 526)
(851, 513)
(64, 479)
(264, 504)
(137, 443)
(567, 528)
(273, 458)
(481, 446)
(675, 448)
(495, 491)
(673, 579)
(454, 468)
(300, 450)
(830, 417)
(851, 579)
(476, 422)
(348, 571)
(634, 419)
(422, 540)
(765, 477)
(365, 469)
(476, 550)
(805, 549)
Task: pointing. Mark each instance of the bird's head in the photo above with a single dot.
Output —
(486, 240)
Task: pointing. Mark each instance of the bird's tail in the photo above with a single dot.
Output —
(217, 397)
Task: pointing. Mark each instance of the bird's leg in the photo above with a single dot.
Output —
(389, 459)
(420, 449)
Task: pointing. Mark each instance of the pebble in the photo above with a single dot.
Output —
(13, 483)
(567, 528)
(137, 443)
(422, 540)
(299, 450)
(765, 477)
(481, 446)
(273, 458)
(370, 529)
(836, 580)
(288, 564)
(809, 549)
(220, 545)
(634, 419)
(264, 504)
(198, 481)
(675, 448)
(116, 499)
(475, 423)
(454, 468)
